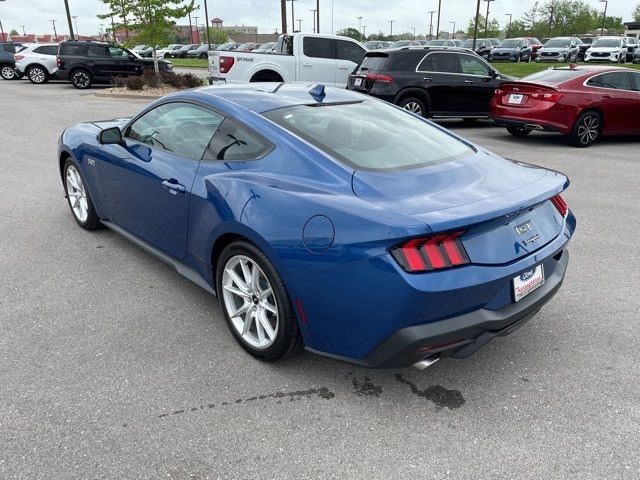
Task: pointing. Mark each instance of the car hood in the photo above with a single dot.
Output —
(504, 50)
(604, 49)
(459, 192)
(555, 49)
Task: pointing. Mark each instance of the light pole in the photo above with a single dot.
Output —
(75, 21)
(438, 24)
(195, 20)
(414, 32)
(318, 14)
(55, 33)
(486, 20)
(391, 23)
(299, 24)
(475, 26)
(604, 15)
(314, 20)
(23, 30)
(364, 32)
(509, 26)
(552, 9)
(66, 7)
(360, 26)
(431, 24)
(453, 35)
(206, 23)
(102, 31)
(283, 15)
(293, 22)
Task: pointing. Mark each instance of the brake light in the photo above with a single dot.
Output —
(18, 57)
(547, 97)
(379, 78)
(226, 63)
(431, 253)
(560, 204)
(59, 62)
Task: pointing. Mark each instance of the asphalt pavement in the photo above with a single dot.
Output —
(114, 366)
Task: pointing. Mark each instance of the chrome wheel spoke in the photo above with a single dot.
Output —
(271, 308)
(235, 291)
(237, 280)
(266, 325)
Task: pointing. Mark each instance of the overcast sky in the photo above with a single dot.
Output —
(35, 14)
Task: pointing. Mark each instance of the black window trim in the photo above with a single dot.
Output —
(630, 77)
(127, 128)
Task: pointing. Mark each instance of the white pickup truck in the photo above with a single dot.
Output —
(300, 57)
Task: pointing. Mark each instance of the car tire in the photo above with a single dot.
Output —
(7, 72)
(414, 105)
(518, 131)
(586, 130)
(269, 330)
(81, 78)
(78, 196)
(37, 74)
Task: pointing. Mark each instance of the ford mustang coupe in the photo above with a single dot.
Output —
(325, 219)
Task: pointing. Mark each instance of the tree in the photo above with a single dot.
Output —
(636, 13)
(518, 28)
(219, 36)
(13, 32)
(152, 21)
(493, 29)
(118, 9)
(350, 32)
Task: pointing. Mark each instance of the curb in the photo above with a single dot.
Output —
(127, 95)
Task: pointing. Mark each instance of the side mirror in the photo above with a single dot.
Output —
(111, 135)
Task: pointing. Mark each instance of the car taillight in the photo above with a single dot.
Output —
(379, 78)
(431, 253)
(547, 97)
(225, 63)
(18, 57)
(560, 204)
(59, 62)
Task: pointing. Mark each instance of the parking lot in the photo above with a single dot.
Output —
(115, 366)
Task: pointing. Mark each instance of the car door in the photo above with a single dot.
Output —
(441, 78)
(99, 60)
(317, 61)
(124, 64)
(148, 178)
(348, 57)
(478, 84)
(617, 100)
(634, 120)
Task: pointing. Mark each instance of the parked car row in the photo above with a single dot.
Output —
(83, 63)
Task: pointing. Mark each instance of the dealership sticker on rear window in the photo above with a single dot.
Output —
(527, 282)
(357, 82)
(515, 98)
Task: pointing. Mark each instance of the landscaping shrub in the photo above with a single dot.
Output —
(135, 83)
(172, 79)
(119, 82)
(150, 78)
(189, 80)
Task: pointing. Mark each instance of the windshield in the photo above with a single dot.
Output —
(513, 43)
(436, 43)
(400, 44)
(371, 135)
(606, 42)
(558, 43)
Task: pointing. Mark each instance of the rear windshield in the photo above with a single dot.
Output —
(511, 43)
(374, 63)
(553, 76)
(371, 135)
(558, 43)
(605, 42)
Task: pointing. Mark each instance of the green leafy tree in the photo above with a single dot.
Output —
(518, 28)
(117, 9)
(218, 36)
(380, 36)
(636, 13)
(13, 32)
(151, 21)
(493, 28)
(350, 32)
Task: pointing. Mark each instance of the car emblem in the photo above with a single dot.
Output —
(527, 275)
(516, 89)
(523, 227)
(530, 240)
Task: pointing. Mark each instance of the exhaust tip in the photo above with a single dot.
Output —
(533, 126)
(426, 363)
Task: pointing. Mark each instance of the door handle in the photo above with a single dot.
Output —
(173, 186)
(343, 68)
(427, 79)
(607, 96)
(307, 65)
(469, 81)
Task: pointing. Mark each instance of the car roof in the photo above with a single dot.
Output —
(413, 48)
(595, 68)
(264, 96)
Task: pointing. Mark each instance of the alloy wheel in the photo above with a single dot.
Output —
(413, 107)
(77, 194)
(8, 73)
(588, 129)
(81, 79)
(250, 302)
(37, 75)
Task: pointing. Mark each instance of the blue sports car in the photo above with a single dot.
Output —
(328, 220)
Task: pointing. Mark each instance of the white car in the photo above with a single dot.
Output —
(607, 49)
(162, 53)
(38, 62)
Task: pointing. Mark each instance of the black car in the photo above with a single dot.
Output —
(7, 62)
(429, 81)
(202, 51)
(86, 63)
(182, 53)
(483, 46)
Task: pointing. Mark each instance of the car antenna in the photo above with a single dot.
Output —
(317, 93)
(275, 90)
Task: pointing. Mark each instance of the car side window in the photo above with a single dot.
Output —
(425, 65)
(636, 77)
(444, 62)
(181, 128)
(99, 51)
(349, 51)
(73, 49)
(317, 47)
(615, 80)
(116, 52)
(233, 142)
(471, 65)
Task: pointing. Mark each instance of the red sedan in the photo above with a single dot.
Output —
(581, 102)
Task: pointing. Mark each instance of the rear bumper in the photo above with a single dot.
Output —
(459, 336)
(531, 124)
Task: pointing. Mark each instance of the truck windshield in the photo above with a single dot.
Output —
(371, 135)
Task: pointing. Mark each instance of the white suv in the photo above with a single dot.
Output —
(37, 62)
(607, 49)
